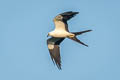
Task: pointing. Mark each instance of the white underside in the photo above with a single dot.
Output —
(59, 33)
(60, 30)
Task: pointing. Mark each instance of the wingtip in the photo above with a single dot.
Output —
(87, 46)
(90, 30)
(77, 12)
(71, 12)
(59, 68)
(74, 12)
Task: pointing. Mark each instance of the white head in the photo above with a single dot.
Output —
(49, 34)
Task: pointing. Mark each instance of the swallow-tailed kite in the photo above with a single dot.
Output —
(60, 33)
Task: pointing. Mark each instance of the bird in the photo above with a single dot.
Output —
(61, 32)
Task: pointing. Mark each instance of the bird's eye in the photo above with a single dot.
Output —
(59, 17)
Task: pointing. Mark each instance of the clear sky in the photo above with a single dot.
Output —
(24, 25)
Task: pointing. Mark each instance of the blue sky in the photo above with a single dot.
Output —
(24, 25)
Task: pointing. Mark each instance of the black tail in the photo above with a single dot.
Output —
(79, 33)
(77, 40)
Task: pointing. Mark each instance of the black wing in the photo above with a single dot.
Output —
(68, 15)
(54, 49)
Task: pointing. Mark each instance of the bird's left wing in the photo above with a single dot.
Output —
(68, 15)
(61, 20)
(54, 49)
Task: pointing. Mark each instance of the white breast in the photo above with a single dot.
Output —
(59, 33)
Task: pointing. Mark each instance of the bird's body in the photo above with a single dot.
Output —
(59, 34)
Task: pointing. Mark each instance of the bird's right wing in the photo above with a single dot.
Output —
(54, 49)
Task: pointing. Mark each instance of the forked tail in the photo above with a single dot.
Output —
(79, 33)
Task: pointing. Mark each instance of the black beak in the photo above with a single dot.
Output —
(47, 35)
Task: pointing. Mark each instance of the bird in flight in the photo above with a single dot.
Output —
(59, 34)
